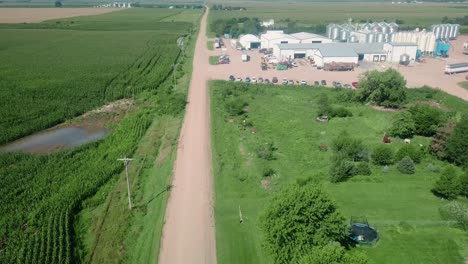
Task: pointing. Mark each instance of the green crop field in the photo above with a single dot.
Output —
(413, 15)
(401, 207)
(51, 205)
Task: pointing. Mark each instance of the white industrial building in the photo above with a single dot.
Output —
(273, 37)
(268, 23)
(426, 41)
(249, 41)
(305, 37)
(401, 51)
(323, 53)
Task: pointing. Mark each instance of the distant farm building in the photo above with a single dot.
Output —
(249, 41)
(268, 23)
(305, 37)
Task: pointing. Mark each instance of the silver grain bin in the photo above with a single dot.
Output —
(456, 31)
(335, 32)
(370, 37)
(392, 38)
(393, 27)
(379, 37)
(353, 39)
(451, 31)
(377, 28)
(329, 30)
(442, 31)
(366, 26)
(447, 31)
(344, 35)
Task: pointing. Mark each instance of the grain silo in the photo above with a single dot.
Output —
(379, 37)
(370, 37)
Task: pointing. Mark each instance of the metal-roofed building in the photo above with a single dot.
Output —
(249, 41)
(396, 51)
(305, 37)
(271, 38)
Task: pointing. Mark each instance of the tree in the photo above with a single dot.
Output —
(447, 185)
(363, 168)
(333, 253)
(406, 165)
(350, 148)
(382, 155)
(299, 218)
(457, 144)
(58, 3)
(411, 151)
(341, 169)
(323, 105)
(386, 89)
(439, 142)
(403, 126)
(427, 119)
(463, 184)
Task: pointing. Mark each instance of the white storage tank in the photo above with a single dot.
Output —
(370, 38)
(393, 27)
(379, 37)
(335, 32)
(344, 35)
(456, 31)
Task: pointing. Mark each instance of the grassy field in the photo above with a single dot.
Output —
(324, 13)
(53, 207)
(210, 45)
(401, 207)
(213, 60)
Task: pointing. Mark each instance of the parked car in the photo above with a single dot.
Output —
(254, 80)
(260, 79)
(303, 82)
(232, 78)
(291, 82)
(355, 84)
(316, 83)
(347, 86)
(284, 81)
(274, 80)
(247, 79)
(324, 83)
(267, 80)
(239, 79)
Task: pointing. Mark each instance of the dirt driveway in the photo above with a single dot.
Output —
(429, 73)
(34, 15)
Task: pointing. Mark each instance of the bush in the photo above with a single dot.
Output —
(267, 172)
(383, 88)
(463, 184)
(382, 155)
(341, 170)
(406, 166)
(403, 126)
(340, 112)
(299, 218)
(457, 144)
(350, 148)
(432, 168)
(455, 211)
(439, 142)
(427, 119)
(266, 151)
(324, 107)
(235, 106)
(333, 253)
(447, 186)
(411, 151)
(363, 168)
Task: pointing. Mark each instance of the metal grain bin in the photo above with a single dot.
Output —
(344, 35)
(456, 31)
(392, 37)
(370, 37)
(335, 32)
(379, 37)
(377, 28)
(393, 27)
(447, 31)
(353, 39)
(329, 30)
(437, 31)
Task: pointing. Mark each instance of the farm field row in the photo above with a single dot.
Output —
(34, 15)
(74, 70)
(401, 207)
(412, 15)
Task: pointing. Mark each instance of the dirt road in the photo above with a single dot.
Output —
(189, 234)
(34, 15)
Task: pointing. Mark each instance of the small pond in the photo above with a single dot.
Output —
(55, 139)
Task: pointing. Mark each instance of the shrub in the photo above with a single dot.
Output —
(333, 253)
(299, 218)
(457, 144)
(383, 88)
(403, 126)
(340, 112)
(411, 151)
(235, 106)
(349, 148)
(323, 147)
(324, 107)
(447, 185)
(267, 172)
(455, 211)
(427, 119)
(341, 170)
(432, 168)
(363, 168)
(382, 155)
(266, 151)
(406, 166)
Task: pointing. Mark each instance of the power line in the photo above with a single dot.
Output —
(126, 161)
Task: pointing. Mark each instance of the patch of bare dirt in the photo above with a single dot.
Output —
(35, 15)
(163, 154)
(265, 183)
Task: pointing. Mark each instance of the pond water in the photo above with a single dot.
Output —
(55, 139)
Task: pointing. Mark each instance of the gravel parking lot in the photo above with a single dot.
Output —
(430, 72)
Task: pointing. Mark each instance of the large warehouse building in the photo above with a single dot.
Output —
(274, 37)
(323, 53)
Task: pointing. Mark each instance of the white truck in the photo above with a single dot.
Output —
(245, 57)
(456, 68)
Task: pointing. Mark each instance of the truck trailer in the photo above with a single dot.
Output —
(456, 68)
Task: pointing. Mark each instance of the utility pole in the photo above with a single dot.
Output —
(126, 161)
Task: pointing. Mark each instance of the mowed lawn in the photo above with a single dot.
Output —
(400, 206)
(323, 13)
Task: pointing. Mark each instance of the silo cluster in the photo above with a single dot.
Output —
(446, 31)
(426, 41)
(370, 32)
